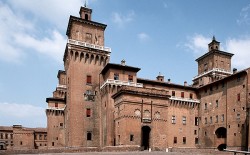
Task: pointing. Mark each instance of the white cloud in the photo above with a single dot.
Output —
(121, 20)
(53, 47)
(57, 11)
(23, 114)
(240, 47)
(143, 37)
(19, 33)
(198, 44)
(244, 15)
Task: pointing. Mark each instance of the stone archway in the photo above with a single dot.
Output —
(145, 137)
(221, 132)
(221, 135)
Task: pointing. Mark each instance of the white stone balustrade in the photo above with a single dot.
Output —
(219, 70)
(84, 44)
(184, 99)
(121, 83)
(61, 86)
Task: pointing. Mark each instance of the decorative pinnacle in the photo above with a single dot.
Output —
(214, 38)
(85, 4)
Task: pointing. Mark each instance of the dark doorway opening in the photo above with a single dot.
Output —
(221, 147)
(86, 17)
(145, 137)
(221, 132)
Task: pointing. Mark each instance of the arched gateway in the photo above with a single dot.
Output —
(221, 135)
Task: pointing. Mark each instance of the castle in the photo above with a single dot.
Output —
(98, 104)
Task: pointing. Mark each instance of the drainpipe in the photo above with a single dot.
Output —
(226, 115)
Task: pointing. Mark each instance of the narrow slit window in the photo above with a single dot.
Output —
(88, 112)
(182, 94)
(89, 79)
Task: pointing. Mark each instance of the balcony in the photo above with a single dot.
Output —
(146, 120)
(84, 44)
(121, 83)
(218, 70)
(184, 99)
(54, 108)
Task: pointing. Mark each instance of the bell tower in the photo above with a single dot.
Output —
(85, 13)
(213, 65)
(84, 58)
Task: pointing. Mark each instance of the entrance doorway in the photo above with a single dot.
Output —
(145, 137)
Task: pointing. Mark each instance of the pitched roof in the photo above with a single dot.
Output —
(119, 66)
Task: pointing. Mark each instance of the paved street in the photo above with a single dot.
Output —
(135, 153)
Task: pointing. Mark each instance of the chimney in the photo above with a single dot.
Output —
(123, 62)
(185, 83)
(169, 80)
(234, 70)
(160, 77)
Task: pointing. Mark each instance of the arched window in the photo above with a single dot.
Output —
(86, 17)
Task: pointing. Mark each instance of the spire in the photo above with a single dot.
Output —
(85, 4)
(214, 38)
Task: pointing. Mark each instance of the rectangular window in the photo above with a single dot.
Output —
(173, 93)
(205, 106)
(61, 124)
(88, 112)
(196, 121)
(130, 78)
(89, 79)
(184, 120)
(238, 97)
(205, 67)
(196, 141)
(205, 120)
(131, 138)
(56, 105)
(1, 135)
(6, 136)
(182, 94)
(89, 136)
(238, 117)
(45, 137)
(195, 132)
(217, 118)
(184, 140)
(216, 103)
(191, 96)
(40, 137)
(222, 118)
(116, 76)
(211, 120)
(175, 140)
(173, 119)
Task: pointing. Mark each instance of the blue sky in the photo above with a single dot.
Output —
(156, 35)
